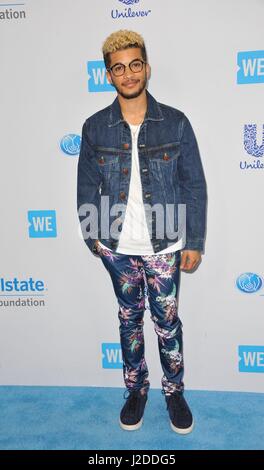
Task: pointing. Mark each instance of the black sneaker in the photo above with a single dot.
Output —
(180, 414)
(131, 416)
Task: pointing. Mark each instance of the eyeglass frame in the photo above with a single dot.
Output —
(109, 69)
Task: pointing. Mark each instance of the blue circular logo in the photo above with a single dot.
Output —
(249, 282)
(71, 144)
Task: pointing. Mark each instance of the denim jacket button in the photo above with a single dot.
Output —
(122, 195)
(125, 146)
(101, 160)
(166, 156)
(125, 171)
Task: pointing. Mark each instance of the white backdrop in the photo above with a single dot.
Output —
(192, 47)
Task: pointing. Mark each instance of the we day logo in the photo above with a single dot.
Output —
(112, 356)
(42, 224)
(250, 67)
(251, 358)
(97, 78)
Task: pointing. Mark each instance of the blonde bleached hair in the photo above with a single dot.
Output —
(120, 40)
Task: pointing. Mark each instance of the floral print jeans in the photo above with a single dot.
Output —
(139, 280)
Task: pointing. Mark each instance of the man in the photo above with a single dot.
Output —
(139, 160)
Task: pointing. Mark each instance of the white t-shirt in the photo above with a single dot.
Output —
(134, 238)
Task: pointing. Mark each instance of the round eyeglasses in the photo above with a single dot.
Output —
(119, 69)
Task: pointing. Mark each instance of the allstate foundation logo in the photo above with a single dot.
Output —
(97, 78)
(251, 67)
(129, 12)
(112, 356)
(71, 144)
(9, 13)
(253, 148)
(249, 283)
(26, 292)
(42, 224)
(29, 285)
(251, 358)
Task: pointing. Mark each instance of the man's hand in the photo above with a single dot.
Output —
(96, 245)
(190, 259)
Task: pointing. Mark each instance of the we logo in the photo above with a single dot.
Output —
(251, 358)
(42, 224)
(97, 78)
(251, 67)
(112, 356)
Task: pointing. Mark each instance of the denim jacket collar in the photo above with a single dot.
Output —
(153, 113)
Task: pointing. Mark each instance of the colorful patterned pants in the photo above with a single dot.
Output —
(152, 279)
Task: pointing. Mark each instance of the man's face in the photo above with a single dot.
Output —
(130, 85)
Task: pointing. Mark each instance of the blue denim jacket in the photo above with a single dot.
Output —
(170, 169)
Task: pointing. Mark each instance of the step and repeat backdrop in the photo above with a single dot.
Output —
(58, 311)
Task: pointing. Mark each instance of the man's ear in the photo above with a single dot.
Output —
(148, 70)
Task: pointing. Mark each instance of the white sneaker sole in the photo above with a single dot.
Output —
(182, 431)
(132, 427)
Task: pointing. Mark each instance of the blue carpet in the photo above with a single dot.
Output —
(87, 418)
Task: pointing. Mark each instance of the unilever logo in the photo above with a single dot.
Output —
(129, 12)
(249, 283)
(250, 140)
(71, 144)
(253, 148)
(129, 2)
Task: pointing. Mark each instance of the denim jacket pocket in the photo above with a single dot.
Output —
(107, 161)
(163, 163)
(165, 153)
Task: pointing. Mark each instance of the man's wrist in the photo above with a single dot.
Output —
(95, 245)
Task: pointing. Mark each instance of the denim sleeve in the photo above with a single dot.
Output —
(192, 188)
(88, 183)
